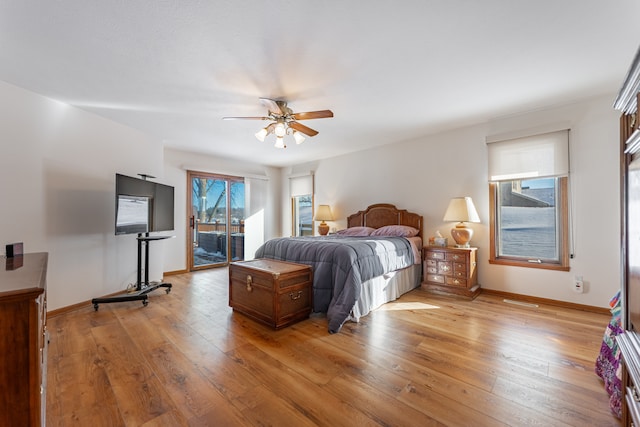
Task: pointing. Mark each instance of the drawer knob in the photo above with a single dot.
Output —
(295, 296)
(249, 283)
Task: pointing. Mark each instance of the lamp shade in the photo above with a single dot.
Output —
(262, 134)
(323, 213)
(461, 209)
(280, 129)
(298, 137)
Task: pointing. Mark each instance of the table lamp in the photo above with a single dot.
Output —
(323, 214)
(461, 210)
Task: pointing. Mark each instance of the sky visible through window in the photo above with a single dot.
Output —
(538, 183)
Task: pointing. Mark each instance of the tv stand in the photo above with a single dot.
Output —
(142, 288)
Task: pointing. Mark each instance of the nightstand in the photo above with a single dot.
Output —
(450, 270)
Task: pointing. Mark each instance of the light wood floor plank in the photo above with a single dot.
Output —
(187, 359)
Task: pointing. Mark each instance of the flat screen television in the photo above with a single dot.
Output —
(142, 206)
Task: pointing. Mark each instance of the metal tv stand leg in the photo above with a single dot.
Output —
(142, 288)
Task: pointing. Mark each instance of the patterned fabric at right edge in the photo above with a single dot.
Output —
(608, 361)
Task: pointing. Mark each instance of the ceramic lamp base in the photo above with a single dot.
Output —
(323, 229)
(462, 235)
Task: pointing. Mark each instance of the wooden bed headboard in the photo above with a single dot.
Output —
(382, 214)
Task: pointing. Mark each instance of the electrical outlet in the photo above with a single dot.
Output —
(578, 284)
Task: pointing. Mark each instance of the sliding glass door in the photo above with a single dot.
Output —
(216, 219)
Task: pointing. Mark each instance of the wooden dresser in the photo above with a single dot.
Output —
(276, 293)
(450, 270)
(23, 341)
(629, 150)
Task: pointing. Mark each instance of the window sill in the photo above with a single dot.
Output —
(518, 263)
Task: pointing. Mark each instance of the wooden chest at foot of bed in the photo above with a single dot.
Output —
(276, 293)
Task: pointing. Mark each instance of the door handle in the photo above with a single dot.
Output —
(192, 221)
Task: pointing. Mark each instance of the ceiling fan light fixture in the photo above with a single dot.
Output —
(284, 122)
(262, 134)
(280, 130)
(298, 137)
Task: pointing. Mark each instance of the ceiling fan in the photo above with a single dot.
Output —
(285, 122)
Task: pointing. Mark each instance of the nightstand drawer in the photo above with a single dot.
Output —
(435, 278)
(460, 266)
(460, 274)
(454, 256)
(445, 268)
(456, 281)
(432, 263)
(432, 270)
(435, 255)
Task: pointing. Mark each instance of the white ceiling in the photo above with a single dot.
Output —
(389, 70)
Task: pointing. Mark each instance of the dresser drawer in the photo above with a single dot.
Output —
(460, 267)
(445, 268)
(435, 278)
(432, 270)
(460, 274)
(455, 256)
(435, 255)
(455, 281)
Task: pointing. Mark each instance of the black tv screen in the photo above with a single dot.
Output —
(142, 206)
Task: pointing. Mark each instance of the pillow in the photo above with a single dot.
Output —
(356, 231)
(396, 231)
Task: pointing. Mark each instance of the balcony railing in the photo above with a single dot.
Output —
(211, 237)
(220, 227)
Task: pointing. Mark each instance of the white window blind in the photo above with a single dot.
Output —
(538, 156)
(301, 185)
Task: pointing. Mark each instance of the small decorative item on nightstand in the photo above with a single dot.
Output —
(451, 271)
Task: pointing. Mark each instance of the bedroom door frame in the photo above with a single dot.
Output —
(227, 237)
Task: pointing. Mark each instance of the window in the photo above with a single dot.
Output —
(529, 201)
(302, 215)
(301, 190)
(216, 204)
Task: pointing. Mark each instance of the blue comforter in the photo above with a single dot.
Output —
(340, 265)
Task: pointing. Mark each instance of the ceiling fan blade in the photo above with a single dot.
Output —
(246, 118)
(303, 129)
(272, 106)
(322, 114)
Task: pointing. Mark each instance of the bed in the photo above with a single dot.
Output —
(374, 260)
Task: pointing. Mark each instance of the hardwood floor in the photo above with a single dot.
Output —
(187, 360)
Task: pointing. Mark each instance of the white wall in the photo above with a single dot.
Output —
(176, 164)
(57, 181)
(422, 175)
